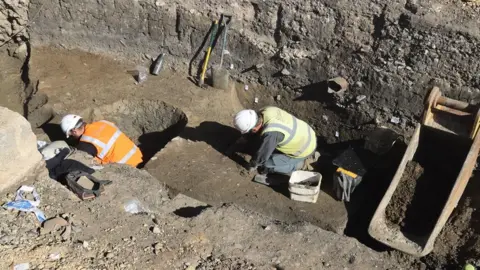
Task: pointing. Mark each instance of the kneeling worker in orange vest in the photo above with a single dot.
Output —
(103, 140)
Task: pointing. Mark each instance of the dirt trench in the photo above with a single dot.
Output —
(154, 123)
(150, 123)
(390, 52)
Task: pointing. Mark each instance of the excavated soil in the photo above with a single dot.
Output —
(403, 196)
(427, 181)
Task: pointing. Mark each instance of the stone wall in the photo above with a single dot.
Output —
(390, 51)
(13, 21)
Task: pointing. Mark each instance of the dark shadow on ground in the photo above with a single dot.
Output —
(189, 211)
(280, 184)
(220, 137)
(53, 131)
(151, 143)
(316, 92)
(367, 196)
(319, 92)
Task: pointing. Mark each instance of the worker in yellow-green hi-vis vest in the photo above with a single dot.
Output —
(287, 143)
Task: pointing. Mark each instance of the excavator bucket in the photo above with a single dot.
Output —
(431, 177)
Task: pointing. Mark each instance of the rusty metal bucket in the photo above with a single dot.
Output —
(442, 117)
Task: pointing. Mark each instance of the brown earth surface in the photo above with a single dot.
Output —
(193, 163)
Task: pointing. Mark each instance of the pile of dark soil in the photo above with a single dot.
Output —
(427, 182)
(403, 196)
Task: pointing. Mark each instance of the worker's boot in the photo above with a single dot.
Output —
(307, 163)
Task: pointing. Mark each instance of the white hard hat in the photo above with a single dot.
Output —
(69, 122)
(245, 120)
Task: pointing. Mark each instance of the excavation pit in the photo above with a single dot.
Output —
(151, 124)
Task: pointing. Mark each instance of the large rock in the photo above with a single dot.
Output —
(19, 157)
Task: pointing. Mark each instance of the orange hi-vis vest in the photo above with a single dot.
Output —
(112, 145)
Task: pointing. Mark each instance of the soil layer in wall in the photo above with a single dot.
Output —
(427, 182)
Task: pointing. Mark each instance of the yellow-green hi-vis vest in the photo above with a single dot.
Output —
(299, 139)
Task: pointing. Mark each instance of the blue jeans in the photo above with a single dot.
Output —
(282, 164)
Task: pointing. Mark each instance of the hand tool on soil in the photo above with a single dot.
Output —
(157, 66)
(443, 117)
(201, 81)
(220, 75)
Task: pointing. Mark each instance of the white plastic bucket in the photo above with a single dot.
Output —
(304, 186)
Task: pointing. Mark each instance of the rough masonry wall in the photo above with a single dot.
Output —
(390, 51)
(13, 21)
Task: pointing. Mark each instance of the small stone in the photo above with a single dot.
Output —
(54, 256)
(285, 72)
(395, 120)
(337, 134)
(325, 118)
(326, 264)
(109, 255)
(360, 98)
(255, 100)
(267, 228)
(232, 66)
(40, 267)
(158, 246)
(278, 98)
(245, 87)
(351, 260)
(21, 52)
(85, 244)
(156, 230)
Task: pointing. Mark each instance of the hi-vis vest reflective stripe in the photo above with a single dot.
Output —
(112, 145)
(299, 139)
